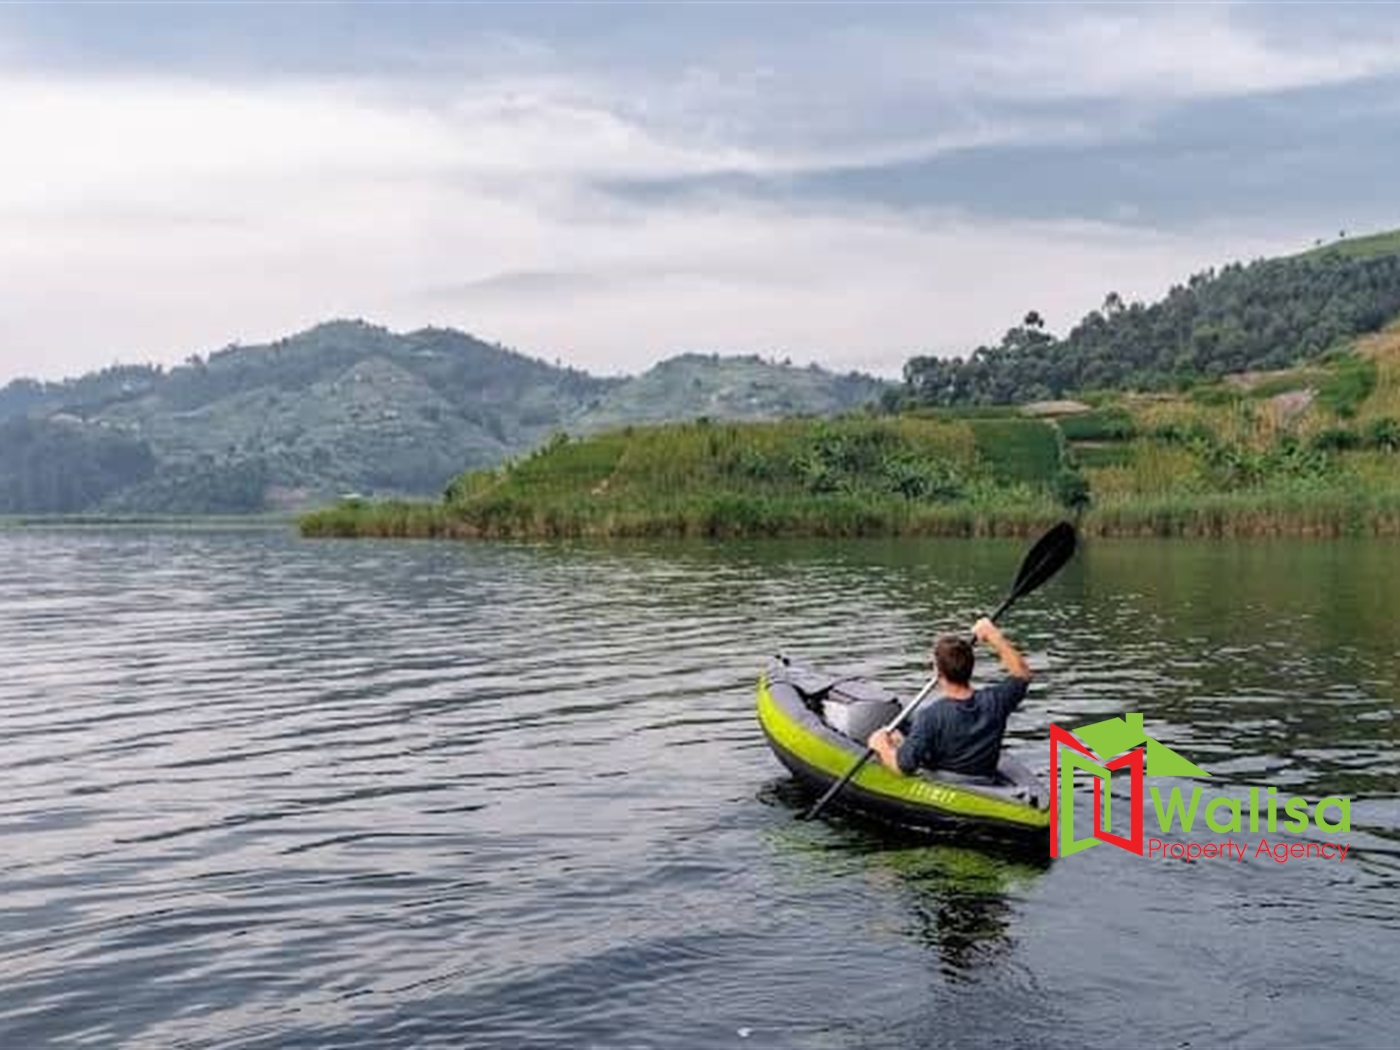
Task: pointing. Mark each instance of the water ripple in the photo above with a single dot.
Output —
(260, 792)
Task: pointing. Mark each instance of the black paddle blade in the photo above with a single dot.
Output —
(1046, 558)
(1041, 562)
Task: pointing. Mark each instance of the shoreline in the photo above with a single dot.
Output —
(17, 522)
(1212, 517)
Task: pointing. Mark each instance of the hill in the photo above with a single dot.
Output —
(1310, 450)
(731, 388)
(345, 407)
(1268, 314)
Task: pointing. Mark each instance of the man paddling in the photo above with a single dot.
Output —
(962, 731)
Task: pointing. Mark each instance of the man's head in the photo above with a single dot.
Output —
(953, 659)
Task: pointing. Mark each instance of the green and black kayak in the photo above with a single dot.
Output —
(817, 725)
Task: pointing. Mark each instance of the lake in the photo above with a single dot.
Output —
(265, 792)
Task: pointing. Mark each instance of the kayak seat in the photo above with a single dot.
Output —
(812, 686)
(1011, 779)
(856, 708)
(853, 707)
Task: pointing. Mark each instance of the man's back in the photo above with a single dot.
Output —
(961, 732)
(962, 736)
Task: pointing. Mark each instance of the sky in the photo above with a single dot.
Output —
(611, 184)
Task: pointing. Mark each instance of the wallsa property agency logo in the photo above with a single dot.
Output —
(1141, 756)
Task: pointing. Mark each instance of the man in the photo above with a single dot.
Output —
(961, 732)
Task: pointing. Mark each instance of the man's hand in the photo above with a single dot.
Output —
(885, 743)
(986, 631)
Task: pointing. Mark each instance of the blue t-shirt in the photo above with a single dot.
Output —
(962, 736)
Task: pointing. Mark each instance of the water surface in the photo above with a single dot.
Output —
(260, 792)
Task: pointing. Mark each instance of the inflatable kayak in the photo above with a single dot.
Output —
(817, 726)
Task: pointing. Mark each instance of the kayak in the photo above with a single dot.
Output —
(817, 725)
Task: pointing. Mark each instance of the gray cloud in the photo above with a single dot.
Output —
(1251, 159)
(845, 182)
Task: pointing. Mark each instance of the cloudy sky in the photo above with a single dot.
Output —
(612, 184)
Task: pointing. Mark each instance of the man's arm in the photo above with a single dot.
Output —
(1011, 659)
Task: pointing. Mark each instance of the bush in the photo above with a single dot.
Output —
(1336, 439)
(754, 464)
(917, 478)
(1383, 433)
(1288, 461)
(1072, 490)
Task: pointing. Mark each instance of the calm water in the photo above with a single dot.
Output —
(258, 792)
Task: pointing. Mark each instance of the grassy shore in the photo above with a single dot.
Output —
(717, 517)
(1311, 451)
(1218, 515)
(1251, 515)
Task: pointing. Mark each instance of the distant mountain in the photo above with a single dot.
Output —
(346, 407)
(735, 388)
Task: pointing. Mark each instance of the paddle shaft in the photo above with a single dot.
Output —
(1044, 560)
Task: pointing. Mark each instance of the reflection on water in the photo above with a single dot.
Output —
(267, 793)
(957, 892)
(958, 900)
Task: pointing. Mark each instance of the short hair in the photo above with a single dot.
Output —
(953, 657)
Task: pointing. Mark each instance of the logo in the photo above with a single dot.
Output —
(1121, 744)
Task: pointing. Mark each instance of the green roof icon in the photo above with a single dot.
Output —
(1113, 736)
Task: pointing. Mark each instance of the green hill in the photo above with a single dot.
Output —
(1268, 314)
(1312, 450)
(849, 476)
(350, 407)
(1387, 243)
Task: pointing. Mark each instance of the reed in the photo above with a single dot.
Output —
(1218, 515)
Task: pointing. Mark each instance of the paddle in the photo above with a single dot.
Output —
(1043, 560)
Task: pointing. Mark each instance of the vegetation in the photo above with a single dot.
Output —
(204, 487)
(1269, 314)
(1349, 384)
(1017, 450)
(1387, 243)
(1220, 461)
(845, 477)
(1108, 424)
(351, 408)
(66, 466)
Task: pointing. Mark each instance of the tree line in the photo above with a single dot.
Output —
(1273, 313)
